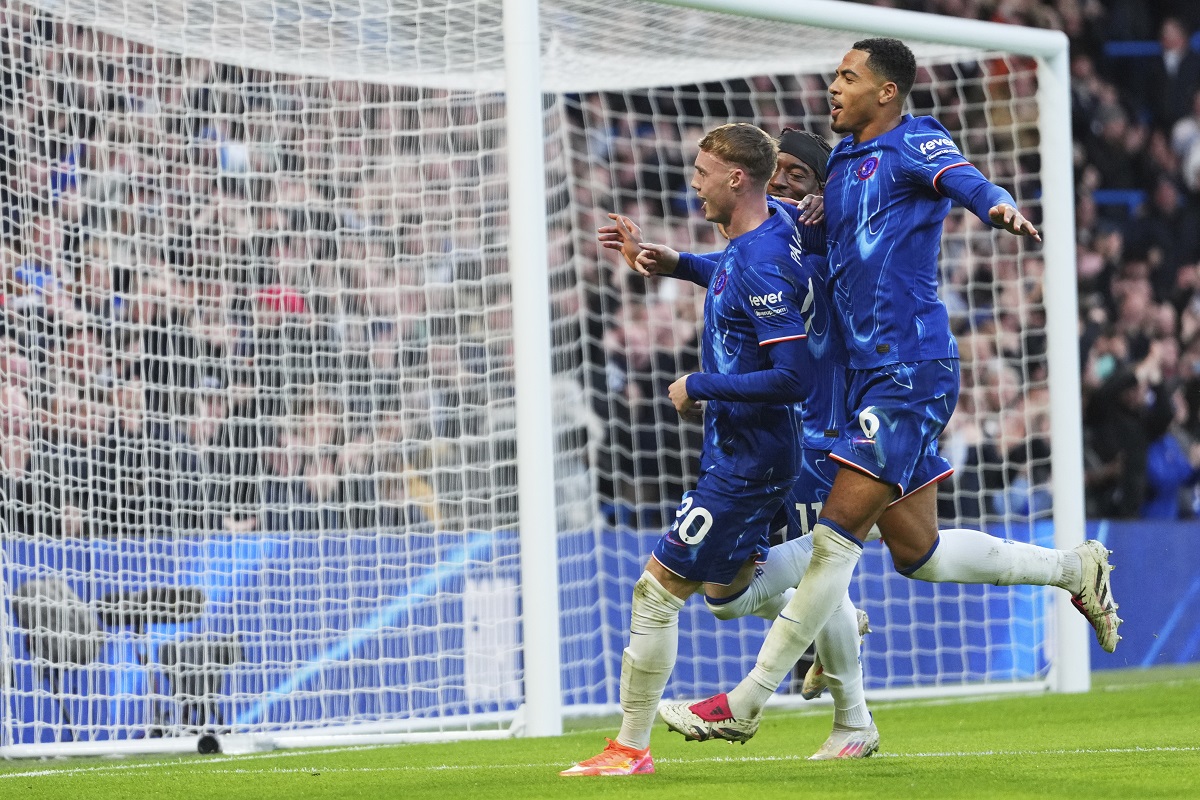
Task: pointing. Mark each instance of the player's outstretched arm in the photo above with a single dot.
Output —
(624, 236)
(1010, 219)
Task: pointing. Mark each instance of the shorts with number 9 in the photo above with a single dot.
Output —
(895, 414)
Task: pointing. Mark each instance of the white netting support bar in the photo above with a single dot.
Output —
(456, 44)
(910, 26)
(528, 255)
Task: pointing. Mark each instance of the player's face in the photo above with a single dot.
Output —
(793, 178)
(712, 182)
(854, 94)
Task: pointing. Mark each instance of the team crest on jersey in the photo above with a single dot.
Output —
(719, 283)
(867, 168)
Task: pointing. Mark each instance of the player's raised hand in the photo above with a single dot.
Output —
(1012, 221)
(686, 406)
(656, 259)
(812, 208)
(623, 236)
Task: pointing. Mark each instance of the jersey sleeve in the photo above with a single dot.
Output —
(783, 382)
(931, 158)
(968, 188)
(696, 268)
(773, 301)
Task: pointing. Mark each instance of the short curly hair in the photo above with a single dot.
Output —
(892, 60)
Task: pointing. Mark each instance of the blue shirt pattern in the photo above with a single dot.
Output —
(754, 299)
(825, 400)
(884, 213)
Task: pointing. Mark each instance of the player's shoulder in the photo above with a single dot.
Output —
(846, 143)
(770, 256)
(785, 211)
(924, 138)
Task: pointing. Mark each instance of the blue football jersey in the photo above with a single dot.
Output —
(825, 367)
(754, 299)
(884, 208)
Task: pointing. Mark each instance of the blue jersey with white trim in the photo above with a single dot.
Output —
(825, 400)
(885, 202)
(754, 299)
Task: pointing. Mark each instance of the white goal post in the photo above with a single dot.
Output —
(325, 420)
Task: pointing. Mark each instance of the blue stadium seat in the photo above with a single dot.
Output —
(1132, 199)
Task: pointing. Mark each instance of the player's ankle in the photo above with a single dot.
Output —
(1072, 572)
(855, 717)
(749, 697)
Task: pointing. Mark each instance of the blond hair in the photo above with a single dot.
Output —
(746, 146)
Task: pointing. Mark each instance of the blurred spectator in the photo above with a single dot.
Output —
(31, 505)
(1172, 463)
(1124, 418)
(1175, 76)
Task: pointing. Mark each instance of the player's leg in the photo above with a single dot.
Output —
(879, 447)
(705, 541)
(839, 642)
(962, 555)
(768, 583)
(854, 503)
(647, 662)
(835, 662)
(646, 665)
(922, 552)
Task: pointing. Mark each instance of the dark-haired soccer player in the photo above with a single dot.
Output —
(891, 181)
(752, 348)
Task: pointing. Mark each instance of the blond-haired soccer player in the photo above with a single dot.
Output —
(799, 176)
(752, 348)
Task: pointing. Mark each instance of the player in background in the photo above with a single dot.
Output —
(799, 174)
(752, 351)
(890, 184)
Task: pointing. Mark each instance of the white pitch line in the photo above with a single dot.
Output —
(182, 762)
(173, 766)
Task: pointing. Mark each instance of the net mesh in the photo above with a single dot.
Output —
(259, 443)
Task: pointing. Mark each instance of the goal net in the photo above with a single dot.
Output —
(258, 432)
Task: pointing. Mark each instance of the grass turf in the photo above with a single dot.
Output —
(1134, 735)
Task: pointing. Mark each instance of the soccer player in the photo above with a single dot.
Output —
(890, 184)
(799, 174)
(752, 349)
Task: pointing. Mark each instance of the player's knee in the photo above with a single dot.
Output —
(731, 607)
(653, 605)
(924, 568)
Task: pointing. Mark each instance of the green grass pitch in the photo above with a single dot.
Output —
(1135, 735)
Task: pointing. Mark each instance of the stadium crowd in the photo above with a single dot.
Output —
(1136, 123)
(238, 300)
(214, 316)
